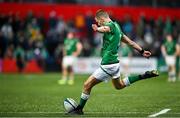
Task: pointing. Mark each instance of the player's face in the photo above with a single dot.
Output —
(169, 38)
(100, 21)
(70, 35)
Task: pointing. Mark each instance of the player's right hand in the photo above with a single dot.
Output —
(94, 27)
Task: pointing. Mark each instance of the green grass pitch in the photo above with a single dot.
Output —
(39, 95)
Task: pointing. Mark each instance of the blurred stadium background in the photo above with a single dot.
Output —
(33, 31)
(32, 34)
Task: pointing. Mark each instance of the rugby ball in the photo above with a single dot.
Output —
(69, 104)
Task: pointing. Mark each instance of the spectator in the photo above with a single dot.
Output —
(39, 40)
(3, 44)
(140, 28)
(89, 21)
(61, 29)
(41, 22)
(29, 17)
(9, 52)
(19, 55)
(7, 31)
(148, 36)
(168, 26)
(41, 55)
(52, 20)
(128, 26)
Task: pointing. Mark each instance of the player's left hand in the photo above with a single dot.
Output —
(147, 54)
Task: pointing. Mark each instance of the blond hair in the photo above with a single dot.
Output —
(101, 13)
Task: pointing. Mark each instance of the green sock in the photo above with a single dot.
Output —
(129, 80)
(83, 100)
(133, 79)
(82, 103)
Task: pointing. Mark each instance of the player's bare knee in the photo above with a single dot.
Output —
(117, 87)
(69, 69)
(122, 84)
(118, 84)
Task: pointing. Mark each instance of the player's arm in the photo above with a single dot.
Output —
(63, 51)
(79, 48)
(101, 29)
(177, 53)
(131, 43)
(163, 50)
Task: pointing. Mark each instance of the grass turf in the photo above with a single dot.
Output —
(39, 95)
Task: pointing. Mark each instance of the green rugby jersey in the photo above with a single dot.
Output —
(170, 47)
(111, 42)
(70, 46)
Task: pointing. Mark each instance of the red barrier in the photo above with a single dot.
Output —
(32, 67)
(69, 11)
(9, 66)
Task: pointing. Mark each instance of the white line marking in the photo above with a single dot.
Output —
(64, 112)
(89, 112)
(159, 113)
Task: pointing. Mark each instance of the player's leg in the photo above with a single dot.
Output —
(72, 61)
(63, 80)
(98, 76)
(87, 87)
(172, 68)
(71, 75)
(170, 61)
(173, 73)
(169, 73)
(65, 64)
(169, 68)
(119, 84)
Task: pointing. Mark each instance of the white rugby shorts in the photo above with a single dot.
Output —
(69, 61)
(106, 72)
(170, 60)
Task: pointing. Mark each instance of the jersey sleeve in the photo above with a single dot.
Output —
(64, 42)
(164, 41)
(76, 41)
(111, 25)
(121, 34)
